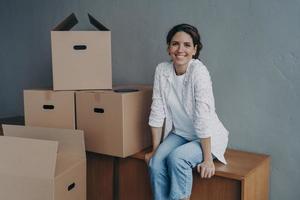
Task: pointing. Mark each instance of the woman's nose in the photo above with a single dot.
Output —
(180, 48)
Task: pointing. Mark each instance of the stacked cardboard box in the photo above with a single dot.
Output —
(81, 59)
(48, 108)
(115, 122)
(114, 119)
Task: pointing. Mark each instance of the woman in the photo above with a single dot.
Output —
(193, 135)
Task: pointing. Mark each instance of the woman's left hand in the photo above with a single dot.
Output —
(206, 169)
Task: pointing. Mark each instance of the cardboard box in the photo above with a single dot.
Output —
(42, 163)
(81, 59)
(46, 108)
(115, 123)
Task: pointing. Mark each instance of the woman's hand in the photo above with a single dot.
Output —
(148, 156)
(206, 169)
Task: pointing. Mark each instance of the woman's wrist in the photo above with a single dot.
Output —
(208, 159)
(206, 148)
(154, 147)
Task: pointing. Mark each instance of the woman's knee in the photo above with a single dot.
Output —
(156, 164)
(177, 160)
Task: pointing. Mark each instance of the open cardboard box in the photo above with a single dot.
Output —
(81, 59)
(42, 164)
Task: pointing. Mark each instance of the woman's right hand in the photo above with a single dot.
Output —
(156, 137)
(148, 156)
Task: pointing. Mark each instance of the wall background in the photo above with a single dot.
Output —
(251, 48)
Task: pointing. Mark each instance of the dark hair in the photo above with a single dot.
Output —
(189, 29)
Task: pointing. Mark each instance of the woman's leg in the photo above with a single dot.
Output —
(180, 164)
(159, 178)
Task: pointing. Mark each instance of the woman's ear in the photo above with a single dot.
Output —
(168, 50)
(195, 49)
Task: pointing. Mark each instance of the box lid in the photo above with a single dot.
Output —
(27, 157)
(71, 142)
(69, 22)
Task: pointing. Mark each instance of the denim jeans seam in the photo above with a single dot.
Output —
(184, 194)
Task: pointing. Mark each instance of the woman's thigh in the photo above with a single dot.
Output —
(172, 142)
(191, 152)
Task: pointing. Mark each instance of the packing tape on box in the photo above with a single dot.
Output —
(97, 96)
(48, 95)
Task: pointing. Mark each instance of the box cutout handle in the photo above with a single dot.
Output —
(79, 47)
(122, 90)
(71, 186)
(48, 107)
(98, 110)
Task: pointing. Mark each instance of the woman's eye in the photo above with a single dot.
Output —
(187, 45)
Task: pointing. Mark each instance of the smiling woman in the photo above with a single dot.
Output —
(194, 135)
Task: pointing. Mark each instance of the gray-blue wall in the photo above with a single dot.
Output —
(25, 55)
(251, 48)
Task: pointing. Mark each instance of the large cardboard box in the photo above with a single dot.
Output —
(42, 163)
(115, 122)
(47, 108)
(81, 59)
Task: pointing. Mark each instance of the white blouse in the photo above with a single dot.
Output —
(198, 103)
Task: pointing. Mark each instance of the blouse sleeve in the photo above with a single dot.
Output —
(204, 102)
(157, 114)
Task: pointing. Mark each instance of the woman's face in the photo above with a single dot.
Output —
(181, 49)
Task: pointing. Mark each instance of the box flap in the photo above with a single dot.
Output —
(67, 24)
(27, 157)
(71, 142)
(97, 24)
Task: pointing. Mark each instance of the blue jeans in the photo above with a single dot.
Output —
(170, 168)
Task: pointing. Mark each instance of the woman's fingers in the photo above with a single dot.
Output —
(199, 168)
(210, 173)
(205, 172)
(148, 156)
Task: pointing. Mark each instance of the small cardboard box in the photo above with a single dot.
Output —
(42, 164)
(47, 108)
(115, 122)
(81, 59)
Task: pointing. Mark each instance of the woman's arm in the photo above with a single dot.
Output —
(207, 167)
(156, 138)
(157, 115)
(204, 106)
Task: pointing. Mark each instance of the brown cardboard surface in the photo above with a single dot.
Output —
(44, 163)
(69, 185)
(103, 132)
(47, 108)
(138, 107)
(63, 163)
(81, 59)
(15, 187)
(27, 157)
(121, 127)
(70, 141)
